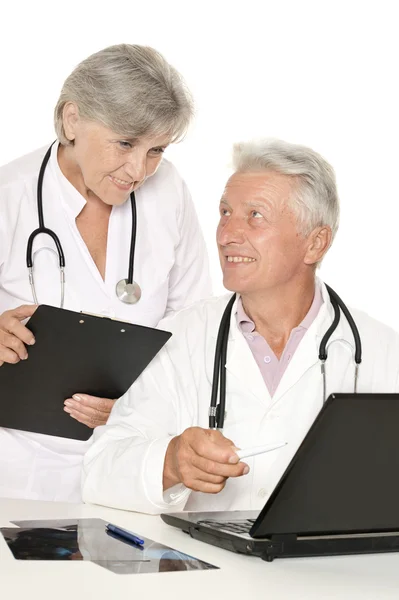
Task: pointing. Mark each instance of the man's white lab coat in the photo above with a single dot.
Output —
(124, 467)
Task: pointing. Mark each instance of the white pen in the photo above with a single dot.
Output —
(259, 450)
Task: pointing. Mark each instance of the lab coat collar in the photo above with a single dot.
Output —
(242, 365)
(71, 199)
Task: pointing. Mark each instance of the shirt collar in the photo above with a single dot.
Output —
(247, 326)
(314, 309)
(71, 199)
(243, 321)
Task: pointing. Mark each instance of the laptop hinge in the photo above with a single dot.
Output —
(278, 545)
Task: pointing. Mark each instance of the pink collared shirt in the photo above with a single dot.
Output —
(270, 366)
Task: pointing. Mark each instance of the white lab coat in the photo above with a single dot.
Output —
(170, 265)
(123, 468)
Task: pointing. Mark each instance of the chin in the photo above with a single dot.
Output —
(235, 285)
(114, 201)
(119, 202)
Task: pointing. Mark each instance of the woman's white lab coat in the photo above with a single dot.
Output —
(170, 265)
(124, 466)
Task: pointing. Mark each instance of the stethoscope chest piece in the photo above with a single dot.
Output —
(129, 293)
(127, 290)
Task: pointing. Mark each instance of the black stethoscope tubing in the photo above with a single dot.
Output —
(43, 229)
(217, 410)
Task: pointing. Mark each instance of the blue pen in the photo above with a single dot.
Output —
(123, 533)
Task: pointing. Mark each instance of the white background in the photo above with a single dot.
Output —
(321, 73)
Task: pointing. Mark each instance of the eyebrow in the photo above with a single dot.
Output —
(249, 204)
(128, 139)
(257, 204)
(135, 140)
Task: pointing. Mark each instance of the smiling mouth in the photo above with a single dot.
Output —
(126, 185)
(240, 259)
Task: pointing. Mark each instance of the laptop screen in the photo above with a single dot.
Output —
(344, 478)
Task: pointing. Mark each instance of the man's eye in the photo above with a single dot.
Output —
(224, 212)
(256, 214)
(124, 144)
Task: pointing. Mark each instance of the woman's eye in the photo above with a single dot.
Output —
(124, 144)
(157, 150)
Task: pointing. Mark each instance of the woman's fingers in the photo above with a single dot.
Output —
(90, 410)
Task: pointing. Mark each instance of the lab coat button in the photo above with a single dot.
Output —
(262, 493)
(267, 359)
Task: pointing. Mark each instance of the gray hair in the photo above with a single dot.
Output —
(315, 202)
(130, 89)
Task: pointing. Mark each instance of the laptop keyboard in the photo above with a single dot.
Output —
(232, 526)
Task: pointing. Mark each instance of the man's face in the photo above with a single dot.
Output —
(260, 247)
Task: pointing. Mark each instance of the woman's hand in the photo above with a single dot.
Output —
(14, 335)
(89, 410)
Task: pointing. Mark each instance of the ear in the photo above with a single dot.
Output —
(70, 119)
(319, 241)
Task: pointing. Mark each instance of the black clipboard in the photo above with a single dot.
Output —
(74, 352)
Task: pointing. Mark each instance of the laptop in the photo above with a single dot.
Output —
(338, 495)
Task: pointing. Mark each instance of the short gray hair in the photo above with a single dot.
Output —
(130, 89)
(315, 201)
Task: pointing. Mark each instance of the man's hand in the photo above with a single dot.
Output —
(14, 335)
(201, 459)
(89, 410)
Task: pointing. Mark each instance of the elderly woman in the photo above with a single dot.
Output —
(117, 113)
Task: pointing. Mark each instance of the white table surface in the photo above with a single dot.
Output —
(239, 577)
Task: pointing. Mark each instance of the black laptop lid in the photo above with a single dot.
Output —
(344, 478)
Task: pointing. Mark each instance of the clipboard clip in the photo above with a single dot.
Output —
(104, 317)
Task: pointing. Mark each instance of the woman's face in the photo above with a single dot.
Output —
(108, 165)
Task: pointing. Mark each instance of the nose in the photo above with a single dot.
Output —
(231, 231)
(136, 166)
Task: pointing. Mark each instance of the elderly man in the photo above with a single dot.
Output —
(278, 216)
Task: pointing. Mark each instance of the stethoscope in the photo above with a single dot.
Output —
(127, 290)
(217, 410)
